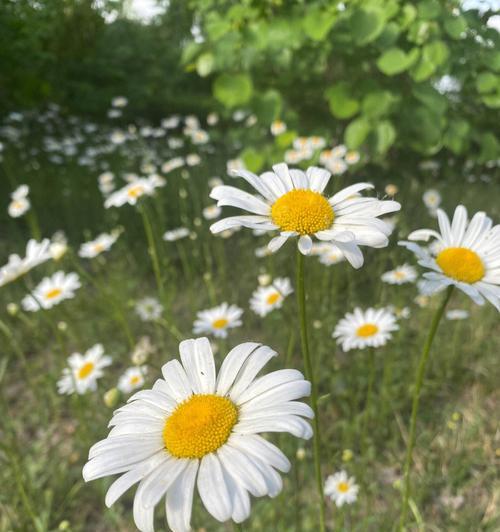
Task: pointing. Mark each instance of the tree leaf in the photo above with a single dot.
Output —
(342, 104)
(356, 133)
(395, 60)
(233, 89)
(366, 25)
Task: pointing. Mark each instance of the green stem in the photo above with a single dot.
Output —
(416, 398)
(369, 397)
(301, 300)
(153, 253)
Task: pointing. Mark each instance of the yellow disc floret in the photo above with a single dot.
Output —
(303, 211)
(51, 294)
(366, 330)
(343, 487)
(220, 323)
(273, 298)
(199, 426)
(85, 370)
(461, 264)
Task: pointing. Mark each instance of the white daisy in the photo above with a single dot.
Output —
(172, 164)
(103, 242)
(176, 234)
(83, 371)
(218, 320)
(212, 119)
(36, 253)
(132, 379)
(196, 428)
(20, 203)
(278, 127)
(369, 328)
(341, 489)
(293, 203)
(469, 257)
(119, 101)
(51, 291)
(400, 275)
(336, 166)
(149, 309)
(457, 314)
(193, 159)
(352, 157)
(211, 212)
(329, 254)
(267, 298)
(431, 199)
(130, 193)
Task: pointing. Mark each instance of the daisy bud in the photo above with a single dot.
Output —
(301, 453)
(12, 309)
(111, 397)
(62, 326)
(264, 279)
(391, 190)
(347, 455)
(64, 525)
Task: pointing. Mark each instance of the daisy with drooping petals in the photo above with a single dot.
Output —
(83, 371)
(103, 242)
(293, 203)
(400, 275)
(36, 253)
(176, 234)
(469, 256)
(218, 320)
(267, 298)
(130, 193)
(195, 428)
(51, 291)
(20, 203)
(132, 379)
(341, 488)
(369, 328)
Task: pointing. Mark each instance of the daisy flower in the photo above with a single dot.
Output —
(369, 328)
(293, 203)
(329, 254)
(278, 127)
(119, 101)
(218, 320)
(469, 258)
(20, 203)
(195, 428)
(51, 291)
(36, 253)
(103, 242)
(267, 298)
(431, 199)
(176, 234)
(132, 379)
(211, 212)
(83, 371)
(172, 164)
(149, 309)
(352, 157)
(457, 314)
(400, 275)
(341, 489)
(130, 193)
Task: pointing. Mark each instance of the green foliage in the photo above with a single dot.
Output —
(233, 89)
(376, 63)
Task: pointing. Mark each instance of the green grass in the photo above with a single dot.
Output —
(45, 437)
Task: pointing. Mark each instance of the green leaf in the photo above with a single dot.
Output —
(492, 100)
(190, 52)
(429, 9)
(490, 147)
(253, 159)
(268, 106)
(285, 139)
(455, 136)
(486, 82)
(366, 25)
(385, 135)
(317, 23)
(408, 15)
(356, 133)
(432, 99)
(455, 27)
(433, 55)
(342, 104)
(394, 61)
(377, 103)
(205, 64)
(233, 89)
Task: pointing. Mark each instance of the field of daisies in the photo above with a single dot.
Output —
(186, 344)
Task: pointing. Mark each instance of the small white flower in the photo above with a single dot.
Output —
(36, 253)
(218, 320)
(278, 127)
(211, 212)
(267, 298)
(341, 489)
(352, 157)
(171, 122)
(119, 101)
(20, 203)
(400, 275)
(193, 159)
(329, 254)
(118, 137)
(199, 137)
(369, 328)
(149, 309)
(176, 234)
(212, 119)
(83, 371)
(130, 193)
(51, 291)
(132, 379)
(457, 314)
(103, 242)
(432, 199)
(172, 164)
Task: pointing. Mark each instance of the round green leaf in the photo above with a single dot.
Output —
(356, 133)
(342, 104)
(394, 61)
(455, 27)
(487, 82)
(233, 89)
(317, 23)
(205, 64)
(366, 25)
(253, 159)
(385, 135)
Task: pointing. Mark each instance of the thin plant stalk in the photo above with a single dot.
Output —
(301, 300)
(153, 252)
(419, 378)
(369, 397)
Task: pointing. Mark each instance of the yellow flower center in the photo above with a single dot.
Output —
(136, 191)
(135, 379)
(273, 298)
(343, 487)
(51, 294)
(220, 323)
(199, 426)
(85, 370)
(461, 264)
(98, 248)
(400, 274)
(303, 211)
(366, 330)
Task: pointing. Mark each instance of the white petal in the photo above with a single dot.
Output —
(318, 178)
(232, 365)
(243, 470)
(198, 362)
(179, 500)
(268, 382)
(348, 191)
(305, 244)
(213, 489)
(258, 446)
(235, 197)
(177, 381)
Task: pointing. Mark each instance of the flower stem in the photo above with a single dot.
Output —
(369, 398)
(416, 398)
(301, 300)
(153, 253)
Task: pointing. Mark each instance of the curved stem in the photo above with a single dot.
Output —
(301, 300)
(416, 399)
